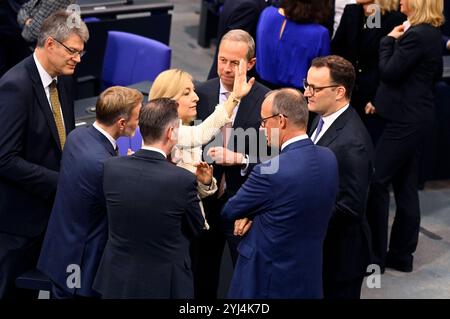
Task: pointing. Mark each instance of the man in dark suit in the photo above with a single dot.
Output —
(77, 228)
(328, 88)
(232, 163)
(14, 48)
(36, 114)
(289, 199)
(237, 14)
(153, 211)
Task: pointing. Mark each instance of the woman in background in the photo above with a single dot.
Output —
(289, 38)
(410, 63)
(357, 39)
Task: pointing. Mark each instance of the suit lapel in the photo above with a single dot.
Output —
(42, 99)
(102, 139)
(333, 131)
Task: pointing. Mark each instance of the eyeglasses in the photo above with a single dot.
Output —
(316, 89)
(263, 121)
(73, 52)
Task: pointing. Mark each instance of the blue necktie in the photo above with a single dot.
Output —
(319, 128)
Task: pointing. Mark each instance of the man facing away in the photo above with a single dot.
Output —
(36, 114)
(153, 211)
(78, 229)
(289, 200)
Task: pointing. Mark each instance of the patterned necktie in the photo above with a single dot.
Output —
(319, 128)
(57, 113)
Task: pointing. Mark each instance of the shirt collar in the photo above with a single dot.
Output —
(293, 140)
(108, 136)
(46, 79)
(406, 25)
(328, 120)
(154, 149)
(222, 89)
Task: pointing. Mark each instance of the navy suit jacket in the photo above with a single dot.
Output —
(78, 229)
(153, 210)
(30, 150)
(281, 255)
(347, 244)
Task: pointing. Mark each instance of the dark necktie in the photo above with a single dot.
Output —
(116, 150)
(319, 128)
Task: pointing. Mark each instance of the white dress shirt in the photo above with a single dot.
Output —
(154, 149)
(107, 135)
(327, 121)
(293, 140)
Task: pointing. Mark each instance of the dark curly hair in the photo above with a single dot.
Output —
(307, 11)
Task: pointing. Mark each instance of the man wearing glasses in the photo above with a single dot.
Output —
(328, 87)
(281, 255)
(36, 114)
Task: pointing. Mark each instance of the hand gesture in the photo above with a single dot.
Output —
(370, 109)
(241, 226)
(224, 156)
(241, 87)
(397, 32)
(204, 173)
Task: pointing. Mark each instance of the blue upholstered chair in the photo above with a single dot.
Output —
(130, 58)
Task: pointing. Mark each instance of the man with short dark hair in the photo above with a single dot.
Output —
(328, 87)
(289, 200)
(77, 228)
(153, 211)
(36, 114)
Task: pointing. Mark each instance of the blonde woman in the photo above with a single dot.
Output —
(177, 84)
(410, 63)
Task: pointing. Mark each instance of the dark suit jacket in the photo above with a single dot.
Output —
(247, 117)
(281, 256)
(237, 14)
(8, 16)
(360, 46)
(30, 151)
(78, 229)
(153, 209)
(347, 245)
(409, 67)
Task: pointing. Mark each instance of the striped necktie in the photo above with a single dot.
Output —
(57, 113)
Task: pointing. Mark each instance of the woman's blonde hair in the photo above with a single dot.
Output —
(387, 5)
(170, 83)
(426, 11)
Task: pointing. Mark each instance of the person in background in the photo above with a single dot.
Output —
(288, 39)
(357, 40)
(410, 64)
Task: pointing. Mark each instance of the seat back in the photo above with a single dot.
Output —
(131, 58)
(134, 143)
